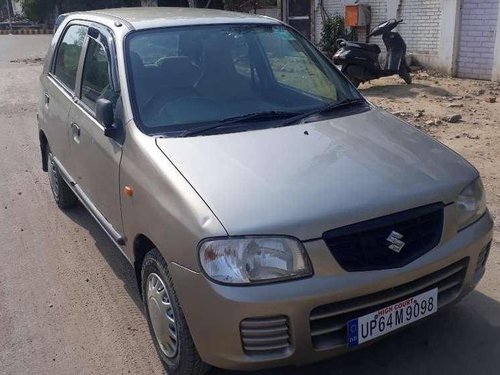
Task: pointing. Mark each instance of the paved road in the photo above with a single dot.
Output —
(68, 303)
(13, 47)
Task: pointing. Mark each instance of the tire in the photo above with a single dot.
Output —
(356, 82)
(346, 69)
(179, 356)
(405, 74)
(63, 195)
(406, 77)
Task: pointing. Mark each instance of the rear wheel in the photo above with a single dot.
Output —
(63, 195)
(166, 321)
(356, 82)
(348, 70)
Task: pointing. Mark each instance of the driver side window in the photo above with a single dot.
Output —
(96, 80)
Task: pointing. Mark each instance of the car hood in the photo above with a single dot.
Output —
(303, 180)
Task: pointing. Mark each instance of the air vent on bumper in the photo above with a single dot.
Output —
(483, 257)
(269, 335)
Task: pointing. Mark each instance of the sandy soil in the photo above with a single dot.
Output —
(68, 302)
(432, 100)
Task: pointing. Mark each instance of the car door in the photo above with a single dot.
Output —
(96, 157)
(59, 90)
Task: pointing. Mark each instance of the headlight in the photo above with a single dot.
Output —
(471, 204)
(249, 260)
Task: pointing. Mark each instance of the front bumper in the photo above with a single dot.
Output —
(215, 312)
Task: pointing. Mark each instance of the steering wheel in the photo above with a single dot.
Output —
(153, 107)
(189, 108)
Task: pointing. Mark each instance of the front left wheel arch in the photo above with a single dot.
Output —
(142, 246)
(43, 149)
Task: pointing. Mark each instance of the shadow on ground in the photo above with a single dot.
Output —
(462, 339)
(404, 91)
(119, 264)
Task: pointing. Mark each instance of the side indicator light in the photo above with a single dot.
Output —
(128, 190)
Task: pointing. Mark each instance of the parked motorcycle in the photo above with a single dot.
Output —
(360, 61)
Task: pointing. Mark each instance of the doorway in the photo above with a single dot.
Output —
(297, 13)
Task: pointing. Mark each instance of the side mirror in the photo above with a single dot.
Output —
(104, 113)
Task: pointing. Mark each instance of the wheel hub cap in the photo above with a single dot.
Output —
(162, 315)
(54, 183)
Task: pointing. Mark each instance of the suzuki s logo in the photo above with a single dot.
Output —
(395, 240)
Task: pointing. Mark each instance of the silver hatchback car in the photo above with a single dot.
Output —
(272, 215)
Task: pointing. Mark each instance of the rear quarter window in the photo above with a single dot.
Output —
(68, 55)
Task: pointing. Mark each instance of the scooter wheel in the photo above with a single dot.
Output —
(406, 77)
(356, 82)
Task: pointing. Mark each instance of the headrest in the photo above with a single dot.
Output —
(177, 71)
(136, 61)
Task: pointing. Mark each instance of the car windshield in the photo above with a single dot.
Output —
(185, 77)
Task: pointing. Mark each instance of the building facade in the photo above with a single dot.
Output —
(15, 9)
(457, 37)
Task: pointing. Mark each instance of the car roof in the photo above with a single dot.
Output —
(154, 17)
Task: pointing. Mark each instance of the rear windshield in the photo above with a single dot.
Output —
(186, 76)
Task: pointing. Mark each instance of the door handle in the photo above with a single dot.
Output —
(47, 98)
(76, 129)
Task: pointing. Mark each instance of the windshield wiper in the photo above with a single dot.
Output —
(290, 117)
(257, 116)
(323, 110)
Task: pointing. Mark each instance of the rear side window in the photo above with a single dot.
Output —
(96, 78)
(68, 55)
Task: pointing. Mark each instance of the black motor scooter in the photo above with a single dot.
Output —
(359, 61)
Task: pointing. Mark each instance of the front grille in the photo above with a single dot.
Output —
(364, 246)
(268, 335)
(328, 323)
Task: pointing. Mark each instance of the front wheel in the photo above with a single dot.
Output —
(406, 77)
(166, 321)
(404, 73)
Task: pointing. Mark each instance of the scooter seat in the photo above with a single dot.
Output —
(366, 46)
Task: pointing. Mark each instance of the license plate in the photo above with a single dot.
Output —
(390, 318)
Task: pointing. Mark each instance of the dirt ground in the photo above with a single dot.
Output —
(432, 101)
(68, 302)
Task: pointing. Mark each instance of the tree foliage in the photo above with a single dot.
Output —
(39, 10)
(76, 5)
(333, 30)
(47, 10)
(248, 5)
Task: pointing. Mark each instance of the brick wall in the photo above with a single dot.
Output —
(422, 22)
(336, 7)
(477, 38)
(421, 28)
(379, 15)
(332, 8)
